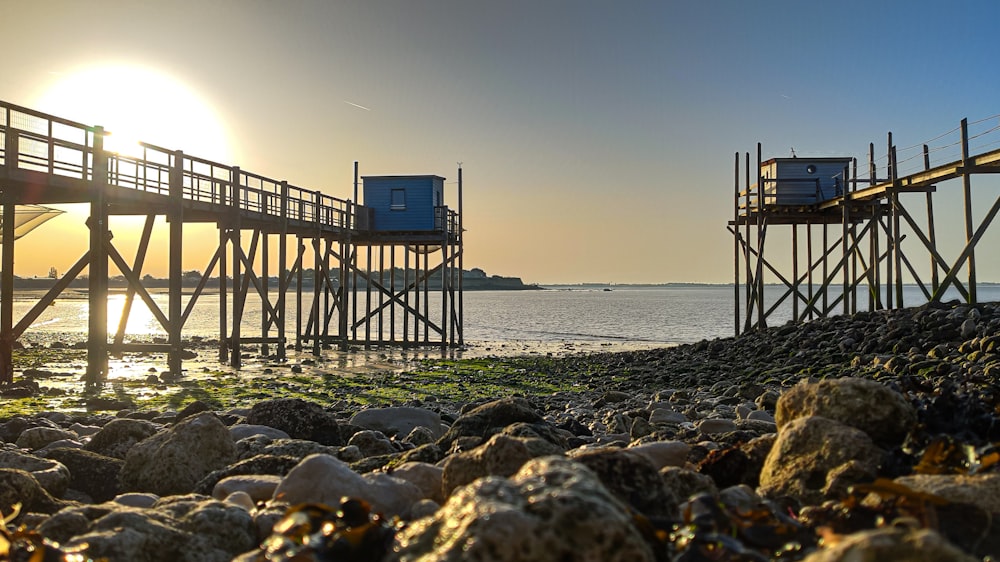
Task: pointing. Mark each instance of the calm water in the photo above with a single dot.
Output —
(640, 315)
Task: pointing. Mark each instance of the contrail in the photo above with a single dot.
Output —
(357, 106)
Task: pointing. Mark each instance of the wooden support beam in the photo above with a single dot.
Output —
(175, 218)
(97, 294)
(140, 258)
(967, 201)
(7, 336)
(235, 235)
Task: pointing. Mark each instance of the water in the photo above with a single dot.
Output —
(627, 315)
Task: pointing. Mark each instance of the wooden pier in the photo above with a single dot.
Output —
(865, 235)
(49, 160)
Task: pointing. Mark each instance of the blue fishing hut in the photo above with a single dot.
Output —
(803, 181)
(405, 203)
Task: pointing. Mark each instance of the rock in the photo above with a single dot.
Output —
(760, 415)
(258, 487)
(891, 543)
(135, 499)
(714, 426)
(665, 416)
(50, 474)
(542, 438)
(982, 490)
(195, 407)
(424, 508)
(35, 438)
(174, 460)
(663, 453)
(427, 477)
(612, 397)
(119, 435)
(158, 535)
(326, 479)
(218, 531)
(632, 478)
(241, 499)
(298, 418)
(502, 455)
(552, 509)
(805, 453)
(968, 328)
(488, 419)
(19, 486)
(420, 436)
(372, 443)
(242, 431)
(879, 411)
(683, 483)
(60, 444)
(730, 466)
(298, 448)
(83, 430)
(91, 473)
(398, 421)
(349, 454)
(640, 428)
(271, 465)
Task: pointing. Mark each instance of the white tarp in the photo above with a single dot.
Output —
(28, 218)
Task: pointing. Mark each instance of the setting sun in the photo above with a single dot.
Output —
(136, 103)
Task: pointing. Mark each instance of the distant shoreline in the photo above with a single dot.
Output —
(495, 283)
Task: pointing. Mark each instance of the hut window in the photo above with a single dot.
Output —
(398, 202)
(811, 169)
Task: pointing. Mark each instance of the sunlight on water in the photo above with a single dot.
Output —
(646, 315)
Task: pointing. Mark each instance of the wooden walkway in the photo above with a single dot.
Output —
(45, 159)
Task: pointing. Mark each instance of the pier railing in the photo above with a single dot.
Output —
(37, 142)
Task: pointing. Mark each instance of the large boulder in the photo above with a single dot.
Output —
(298, 418)
(173, 461)
(20, 487)
(119, 435)
(179, 529)
(891, 543)
(815, 458)
(37, 437)
(51, 474)
(982, 490)
(552, 509)
(217, 531)
(879, 411)
(91, 473)
(326, 479)
(632, 478)
(398, 421)
(500, 456)
(490, 418)
(126, 534)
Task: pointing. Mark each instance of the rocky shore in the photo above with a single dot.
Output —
(869, 437)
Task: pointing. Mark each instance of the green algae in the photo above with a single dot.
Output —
(427, 380)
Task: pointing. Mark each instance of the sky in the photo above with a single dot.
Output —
(596, 138)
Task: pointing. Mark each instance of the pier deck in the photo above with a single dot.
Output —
(49, 160)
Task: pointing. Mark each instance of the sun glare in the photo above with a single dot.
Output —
(134, 104)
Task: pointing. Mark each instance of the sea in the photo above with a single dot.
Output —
(577, 317)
